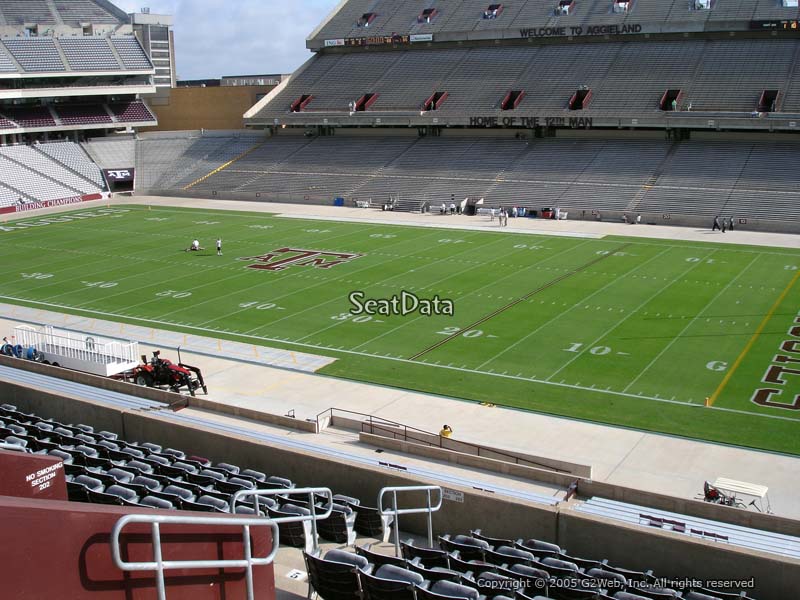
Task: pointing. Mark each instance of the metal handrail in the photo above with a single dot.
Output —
(396, 512)
(313, 517)
(159, 565)
(375, 422)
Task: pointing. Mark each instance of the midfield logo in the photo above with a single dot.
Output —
(283, 258)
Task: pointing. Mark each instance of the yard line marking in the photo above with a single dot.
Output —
(690, 323)
(559, 315)
(394, 359)
(514, 303)
(324, 282)
(467, 294)
(752, 340)
(631, 314)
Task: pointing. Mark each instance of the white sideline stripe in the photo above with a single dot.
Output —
(394, 359)
(569, 234)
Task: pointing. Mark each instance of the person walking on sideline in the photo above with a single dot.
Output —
(717, 224)
(446, 431)
(219, 246)
(730, 224)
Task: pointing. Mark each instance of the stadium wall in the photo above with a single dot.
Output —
(215, 108)
(669, 554)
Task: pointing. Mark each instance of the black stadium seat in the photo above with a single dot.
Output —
(447, 589)
(508, 555)
(379, 559)
(156, 502)
(435, 573)
(339, 526)
(470, 548)
(389, 582)
(335, 577)
(430, 557)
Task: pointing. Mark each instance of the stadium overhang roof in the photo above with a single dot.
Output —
(70, 92)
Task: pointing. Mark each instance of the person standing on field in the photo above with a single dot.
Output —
(219, 246)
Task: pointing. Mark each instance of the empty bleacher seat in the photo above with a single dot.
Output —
(335, 577)
(389, 582)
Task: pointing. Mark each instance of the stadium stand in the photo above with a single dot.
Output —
(73, 157)
(84, 11)
(44, 55)
(462, 16)
(29, 116)
(173, 161)
(82, 114)
(103, 468)
(131, 53)
(751, 179)
(70, 12)
(35, 54)
(47, 172)
(89, 54)
(624, 77)
(28, 11)
(131, 112)
(112, 153)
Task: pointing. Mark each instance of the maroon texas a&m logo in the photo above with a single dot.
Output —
(283, 258)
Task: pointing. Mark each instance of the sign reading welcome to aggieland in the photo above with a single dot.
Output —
(544, 32)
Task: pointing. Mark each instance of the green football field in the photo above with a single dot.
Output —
(635, 332)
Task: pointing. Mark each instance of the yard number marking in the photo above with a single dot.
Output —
(173, 294)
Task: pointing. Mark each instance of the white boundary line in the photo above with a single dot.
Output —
(24, 301)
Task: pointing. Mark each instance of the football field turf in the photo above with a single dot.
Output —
(634, 332)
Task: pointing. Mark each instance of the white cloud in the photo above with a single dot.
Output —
(238, 37)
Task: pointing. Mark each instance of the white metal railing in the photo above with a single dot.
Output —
(77, 345)
(159, 565)
(311, 492)
(429, 508)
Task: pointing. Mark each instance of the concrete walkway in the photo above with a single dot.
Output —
(648, 461)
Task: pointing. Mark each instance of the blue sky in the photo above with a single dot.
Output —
(238, 37)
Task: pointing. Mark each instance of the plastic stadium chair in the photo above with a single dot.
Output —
(434, 574)
(539, 548)
(470, 548)
(489, 580)
(219, 505)
(370, 522)
(429, 557)
(252, 474)
(155, 502)
(148, 482)
(494, 542)
(232, 469)
(339, 527)
(335, 577)
(172, 452)
(389, 582)
(298, 534)
(447, 589)
(378, 559)
(508, 555)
